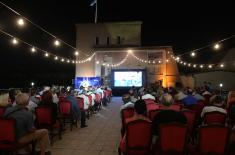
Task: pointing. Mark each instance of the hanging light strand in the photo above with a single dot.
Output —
(39, 27)
(209, 45)
(46, 53)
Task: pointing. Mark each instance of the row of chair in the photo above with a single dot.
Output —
(173, 139)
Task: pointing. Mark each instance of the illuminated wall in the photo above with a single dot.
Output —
(114, 39)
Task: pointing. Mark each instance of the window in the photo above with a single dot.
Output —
(97, 41)
(118, 40)
(108, 41)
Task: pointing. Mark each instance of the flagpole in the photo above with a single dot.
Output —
(96, 11)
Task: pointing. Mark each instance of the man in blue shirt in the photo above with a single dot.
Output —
(75, 108)
(190, 99)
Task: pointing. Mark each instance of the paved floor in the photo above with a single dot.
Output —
(101, 137)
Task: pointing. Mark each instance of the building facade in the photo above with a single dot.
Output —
(110, 46)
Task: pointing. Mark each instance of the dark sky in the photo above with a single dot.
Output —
(185, 26)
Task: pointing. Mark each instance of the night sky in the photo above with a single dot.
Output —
(180, 25)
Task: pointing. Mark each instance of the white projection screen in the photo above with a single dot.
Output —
(128, 78)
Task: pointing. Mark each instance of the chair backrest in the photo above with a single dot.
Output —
(65, 108)
(80, 102)
(127, 113)
(62, 98)
(97, 98)
(197, 108)
(152, 106)
(2, 110)
(109, 93)
(43, 116)
(214, 117)
(173, 138)
(7, 130)
(213, 139)
(153, 113)
(176, 107)
(149, 101)
(207, 99)
(191, 119)
(138, 137)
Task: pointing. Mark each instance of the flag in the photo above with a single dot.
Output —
(93, 2)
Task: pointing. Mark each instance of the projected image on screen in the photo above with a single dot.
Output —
(127, 79)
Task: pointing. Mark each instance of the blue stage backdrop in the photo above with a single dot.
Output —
(87, 81)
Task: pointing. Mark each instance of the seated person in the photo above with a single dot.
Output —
(47, 100)
(126, 102)
(198, 96)
(140, 114)
(190, 99)
(148, 96)
(25, 124)
(75, 108)
(217, 105)
(166, 115)
(179, 96)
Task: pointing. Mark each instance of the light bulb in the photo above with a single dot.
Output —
(46, 55)
(57, 43)
(56, 58)
(15, 41)
(193, 54)
(221, 65)
(97, 62)
(20, 22)
(76, 53)
(216, 46)
(33, 50)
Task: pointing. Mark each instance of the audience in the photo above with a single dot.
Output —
(189, 100)
(25, 123)
(126, 102)
(217, 105)
(166, 115)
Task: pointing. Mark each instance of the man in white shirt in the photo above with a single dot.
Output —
(127, 102)
(217, 106)
(148, 96)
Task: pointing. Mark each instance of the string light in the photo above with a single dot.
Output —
(221, 65)
(76, 53)
(210, 66)
(68, 61)
(56, 58)
(46, 55)
(167, 60)
(15, 41)
(57, 43)
(201, 66)
(73, 61)
(33, 50)
(62, 60)
(97, 62)
(20, 22)
(216, 46)
(194, 65)
(193, 54)
(129, 51)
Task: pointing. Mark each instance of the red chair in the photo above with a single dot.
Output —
(2, 110)
(197, 108)
(191, 121)
(152, 106)
(109, 94)
(66, 113)
(126, 113)
(98, 101)
(8, 141)
(215, 117)
(138, 138)
(213, 139)
(44, 121)
(149, 101)
(207, 99)
(175, 107)
(153, 113)
(172, 139)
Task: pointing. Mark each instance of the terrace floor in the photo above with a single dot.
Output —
(101, 137)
